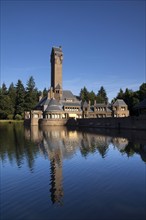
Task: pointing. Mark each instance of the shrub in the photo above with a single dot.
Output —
(18, 117)
(10, 117)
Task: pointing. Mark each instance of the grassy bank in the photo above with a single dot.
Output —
(11, 121)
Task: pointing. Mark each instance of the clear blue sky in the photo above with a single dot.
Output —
(103, 43)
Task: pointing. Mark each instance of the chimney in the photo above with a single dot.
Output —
(40, 97)
(50, 93)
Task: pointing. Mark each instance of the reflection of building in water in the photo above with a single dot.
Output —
(120, 143)
(52, 148)
(33, 134)
(57, 143)
(56, 177)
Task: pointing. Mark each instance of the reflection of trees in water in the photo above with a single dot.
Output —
(137, 148)
(15, 146)
(92, 143)
(19, 144)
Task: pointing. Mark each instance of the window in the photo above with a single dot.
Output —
(36, 116)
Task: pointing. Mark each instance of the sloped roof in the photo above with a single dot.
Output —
(141, 105)
(54, 106)
(43, 101)
(119, 102)
(108, 110)
(67, 94)
(58, 86)
(85, 104)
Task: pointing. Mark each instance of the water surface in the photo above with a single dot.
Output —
(56, 173)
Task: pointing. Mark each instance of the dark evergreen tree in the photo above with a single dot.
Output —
(45, 92)
(5, 103)
(84, 94)
(92, 97)
(31, 96)
(12, 95)
(142, 92)
(4, 90)
(20, 94)
(102, 96)
(120, 94)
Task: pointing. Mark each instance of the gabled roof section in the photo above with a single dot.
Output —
(119, 102)
(54, 105)
(42, 102)
(67, 94)
(85, 104)
(58, 86)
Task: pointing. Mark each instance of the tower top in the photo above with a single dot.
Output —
(57, 49)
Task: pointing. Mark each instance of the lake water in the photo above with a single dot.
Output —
(55, 173)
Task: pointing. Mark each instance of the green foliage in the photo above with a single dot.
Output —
(4, 90)
(31, 95)
(132, 98)
(18, 117)
(142, 92)
(92, 97)
(84, 94)
(16, 99)
(6, 107)
(10, 116)
(12, 95)
(45, 92)
(101, 96)
(20, 101)
(120, 94)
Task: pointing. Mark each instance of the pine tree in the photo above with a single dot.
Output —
(19, 102)
(12, 95)
(31, 97)
(5, 103)
(120, 94)
(102, 96)
(92, 97)
(4, 90)
(45, 92)
(84, 94)
(142, 91)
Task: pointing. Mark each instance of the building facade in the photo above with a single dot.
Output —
(60, 105)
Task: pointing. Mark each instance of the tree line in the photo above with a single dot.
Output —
(131, 98)
(19, 98)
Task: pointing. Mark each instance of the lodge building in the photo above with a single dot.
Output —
(60, 105)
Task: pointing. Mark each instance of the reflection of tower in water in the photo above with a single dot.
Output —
(56, 177)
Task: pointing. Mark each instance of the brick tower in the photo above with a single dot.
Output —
(56, 71)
